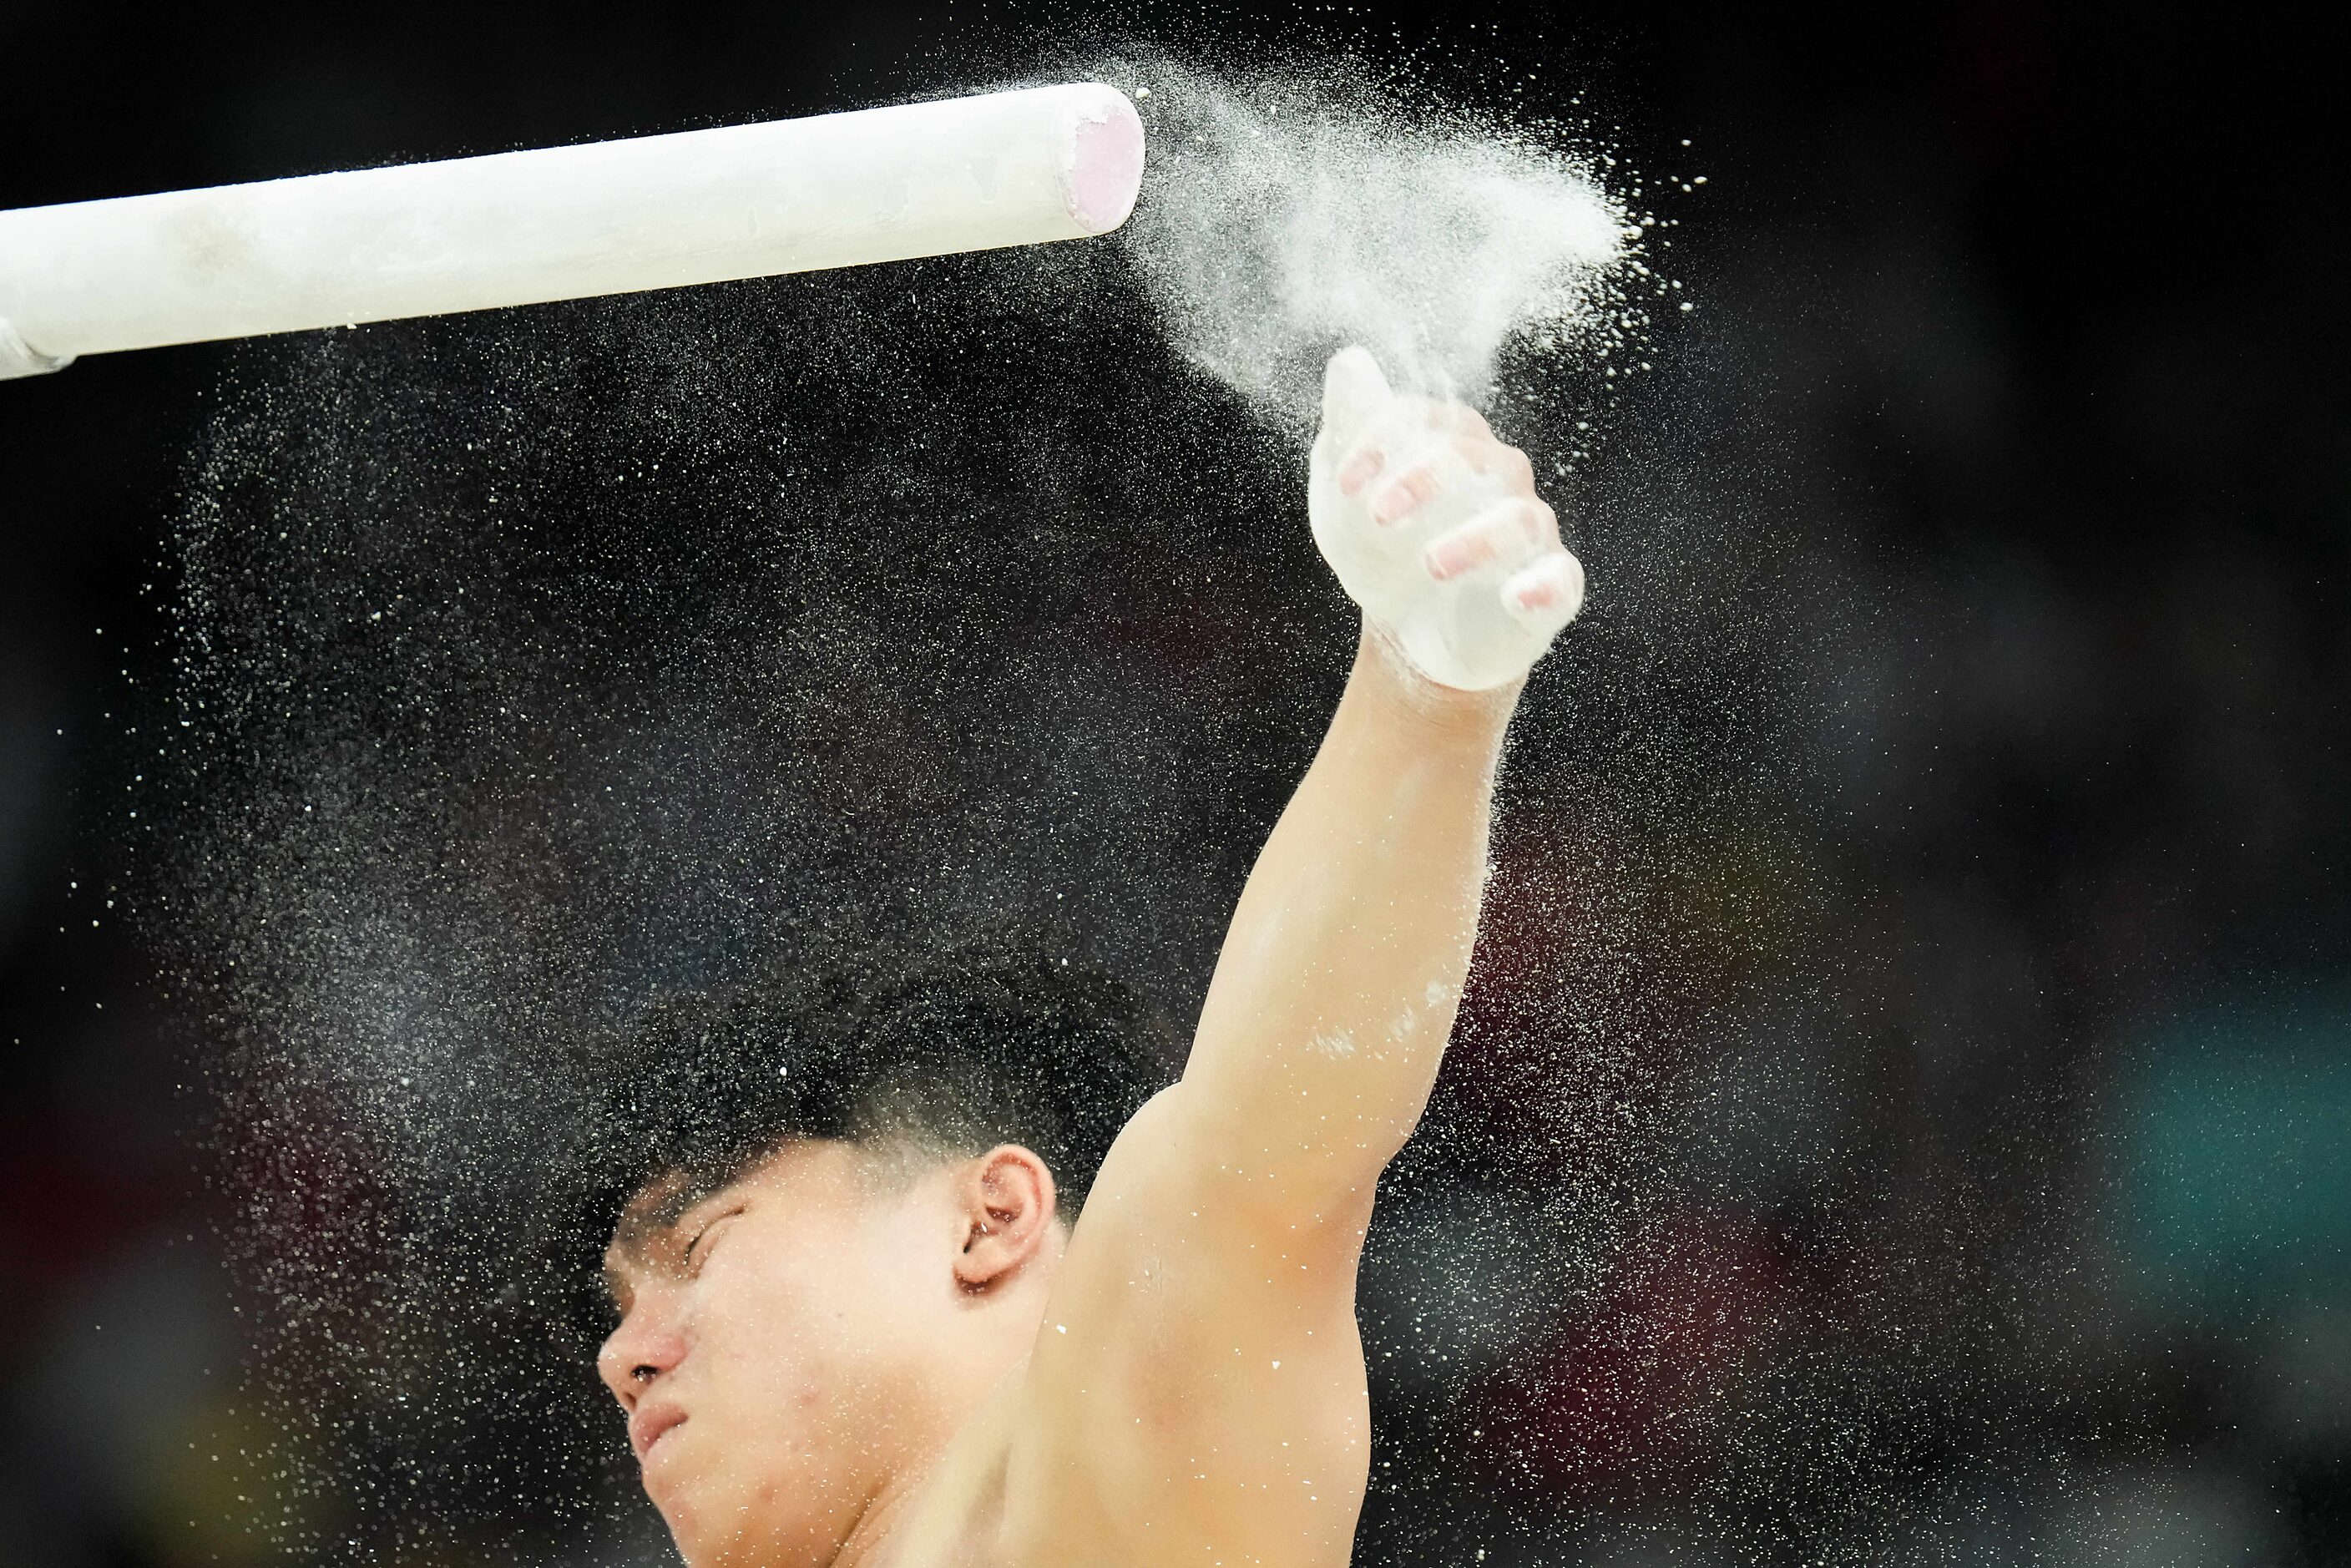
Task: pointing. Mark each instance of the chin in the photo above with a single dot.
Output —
(707, 1532)
(717, 1517)
(704, 1513)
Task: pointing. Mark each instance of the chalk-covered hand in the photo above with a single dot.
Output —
(1435, 528)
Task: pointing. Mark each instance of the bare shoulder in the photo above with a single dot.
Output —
(1198, 1381)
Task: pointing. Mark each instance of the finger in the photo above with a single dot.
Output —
(1471, 443)
(1416, 483)
(1509, 532)
(1546, 595)
(1459, 419)
(1395, 429)
(1353, 390)
(1402, 495)
(1484, 455)
(1362, 466)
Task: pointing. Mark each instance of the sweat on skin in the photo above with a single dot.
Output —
(851, 1357)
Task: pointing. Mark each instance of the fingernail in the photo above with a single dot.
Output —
(1444, 561)
(1359, 471)
(1393, 503)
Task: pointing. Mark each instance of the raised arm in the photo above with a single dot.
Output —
(1338, 980)
(1198, 1392)
(1341, 973)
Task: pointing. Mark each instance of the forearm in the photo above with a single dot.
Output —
(1340, 977)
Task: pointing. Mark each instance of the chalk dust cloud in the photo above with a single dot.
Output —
(533, 666)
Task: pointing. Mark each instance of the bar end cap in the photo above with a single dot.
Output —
(1104, 172)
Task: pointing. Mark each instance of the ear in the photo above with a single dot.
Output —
(1004, 1203)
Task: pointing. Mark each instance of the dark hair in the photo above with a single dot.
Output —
(956, 1050)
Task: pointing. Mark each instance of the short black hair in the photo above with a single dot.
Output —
(957, 1048)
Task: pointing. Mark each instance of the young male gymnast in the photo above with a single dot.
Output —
(860, 1321)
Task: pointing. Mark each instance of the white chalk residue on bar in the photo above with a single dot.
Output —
(565, 223)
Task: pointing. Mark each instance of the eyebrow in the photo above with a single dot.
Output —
(635, 1229)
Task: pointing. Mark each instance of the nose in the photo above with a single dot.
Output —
(649, 1343)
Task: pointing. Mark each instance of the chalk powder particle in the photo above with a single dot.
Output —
(612, 733)
(1281, 222)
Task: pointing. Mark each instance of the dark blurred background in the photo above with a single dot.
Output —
(1958, 1171)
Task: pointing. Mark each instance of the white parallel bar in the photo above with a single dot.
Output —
(563, 223)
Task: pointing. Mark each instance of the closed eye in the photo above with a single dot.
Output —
(697, 1250)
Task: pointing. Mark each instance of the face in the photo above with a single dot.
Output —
(779, 1351)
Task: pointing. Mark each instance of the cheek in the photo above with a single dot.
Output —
(904, 1278)
(787, 1322)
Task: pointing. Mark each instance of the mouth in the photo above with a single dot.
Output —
(650, 1424)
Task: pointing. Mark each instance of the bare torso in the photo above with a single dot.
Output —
(1188, 1402)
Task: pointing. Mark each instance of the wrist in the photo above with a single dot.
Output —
(1385, 674)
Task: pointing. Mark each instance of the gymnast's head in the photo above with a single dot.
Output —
(841, 1198)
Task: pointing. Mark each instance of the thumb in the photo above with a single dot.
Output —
(1353, 390)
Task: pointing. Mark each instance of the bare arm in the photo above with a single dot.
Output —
(1341, 973)
(1198, 1393)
